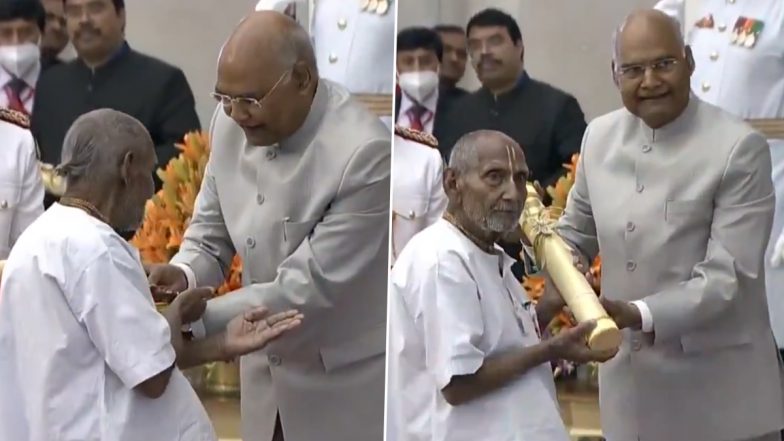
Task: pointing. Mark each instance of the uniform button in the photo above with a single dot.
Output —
(714, 56)
(342, 24)
(631, 265)
(640, 188)
(705, 86)
(411, 214)
(271, 154)
(3, 205)
(250, 242)
(646, 148)
(259, 199)
(333, 58)
(722, 27)
(274, 360)
(732, 2)
(630, 226)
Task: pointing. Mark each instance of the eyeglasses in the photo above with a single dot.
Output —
(246, 102)
(637, 71)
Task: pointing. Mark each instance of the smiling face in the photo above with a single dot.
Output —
(652, 70)
(268, 102)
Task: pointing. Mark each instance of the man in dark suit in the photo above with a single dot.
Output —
(418, 104)
(108, 73)
(453, 63)
(547, 122)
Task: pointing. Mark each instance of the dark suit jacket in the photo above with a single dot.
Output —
(155, 93)
(547, 122)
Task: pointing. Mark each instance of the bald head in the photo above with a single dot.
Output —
(650, 23)
(96, 143)
(465, 154)
(266, 38)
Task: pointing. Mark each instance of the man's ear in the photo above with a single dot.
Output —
(452, 184)
(689, 59)
(125, 167)
(614, 74)
(302, 76)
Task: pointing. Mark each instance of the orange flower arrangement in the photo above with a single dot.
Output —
(169, 211)
(534, 285)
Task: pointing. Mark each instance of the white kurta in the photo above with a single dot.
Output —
(451, 307)
(78, 332)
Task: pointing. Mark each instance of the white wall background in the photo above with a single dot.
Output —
(187, 34)
(567, 42)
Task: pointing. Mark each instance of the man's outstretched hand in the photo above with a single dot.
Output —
(255, 328)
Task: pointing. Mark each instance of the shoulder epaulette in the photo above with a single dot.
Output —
(15, 118)
(416, 136)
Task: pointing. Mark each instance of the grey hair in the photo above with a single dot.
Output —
(94, 142)
(465, 156)
(674, 23)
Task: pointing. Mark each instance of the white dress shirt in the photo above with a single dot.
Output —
(21, 187)
(27, 95)
(452, 306)
(406, 104)
(78, 332)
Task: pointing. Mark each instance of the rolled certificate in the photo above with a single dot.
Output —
(554, 256)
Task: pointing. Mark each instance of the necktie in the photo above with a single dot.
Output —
(415, 115)
(13, 90)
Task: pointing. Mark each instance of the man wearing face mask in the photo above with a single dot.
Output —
(21, 26)
(110, 74)
(419, 52)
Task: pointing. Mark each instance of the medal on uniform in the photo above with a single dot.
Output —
(364, 4)
(754, 32)
(705, 22)
(736, 30)
(372, 5)
(383, 7)
(746, 32)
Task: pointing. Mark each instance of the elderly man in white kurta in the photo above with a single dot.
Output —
(298, 185)
(676, 196)
(85, 354)
(466, 361)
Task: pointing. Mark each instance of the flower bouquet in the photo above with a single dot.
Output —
(534, 285)
(168, 213)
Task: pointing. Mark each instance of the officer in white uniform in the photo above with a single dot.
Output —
(354, 42)
(738, 47)
(418, 198)
(21, 187)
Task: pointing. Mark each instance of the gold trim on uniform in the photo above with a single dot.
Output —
(416, 136)
(15, 118)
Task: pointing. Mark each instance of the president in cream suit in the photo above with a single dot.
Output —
(676, 196)
(298, 185)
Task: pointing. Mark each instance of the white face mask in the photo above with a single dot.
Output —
(418, 85)
(20, 60)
